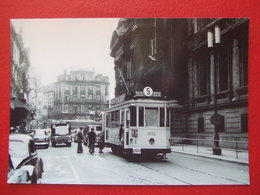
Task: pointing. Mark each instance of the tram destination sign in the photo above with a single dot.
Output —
(147, 92)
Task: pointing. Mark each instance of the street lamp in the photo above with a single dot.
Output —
(215, 118)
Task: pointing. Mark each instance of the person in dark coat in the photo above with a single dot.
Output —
(121, 134)
(91, 141)
(80, 138)
(101, 142)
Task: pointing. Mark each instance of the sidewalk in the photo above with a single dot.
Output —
(204, 151)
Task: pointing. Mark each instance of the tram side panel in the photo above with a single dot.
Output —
(112, 136)
(152, 138)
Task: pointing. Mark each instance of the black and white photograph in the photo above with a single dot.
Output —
(129, 101)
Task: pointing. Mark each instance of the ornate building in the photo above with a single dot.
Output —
(172, 57)
(80, 94)
(218, 77)
(20, 108)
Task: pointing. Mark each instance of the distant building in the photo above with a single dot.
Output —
(80, 94)
(20, 107)
(172, 57)
(45, 102)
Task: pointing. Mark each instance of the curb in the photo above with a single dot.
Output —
(211, 157)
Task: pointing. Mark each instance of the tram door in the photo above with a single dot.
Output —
(126, 126)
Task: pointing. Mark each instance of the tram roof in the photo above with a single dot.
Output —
(145, 102)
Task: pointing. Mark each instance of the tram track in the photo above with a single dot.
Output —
(193, 170)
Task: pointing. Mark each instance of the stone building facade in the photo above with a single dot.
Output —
(20, 107)
(80, 95)
(172, 56)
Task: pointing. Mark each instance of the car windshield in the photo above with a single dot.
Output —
(62, 130)
(18, 148)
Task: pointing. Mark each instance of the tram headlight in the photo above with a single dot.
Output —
(151, 141)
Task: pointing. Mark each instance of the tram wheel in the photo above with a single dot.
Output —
(114, 149)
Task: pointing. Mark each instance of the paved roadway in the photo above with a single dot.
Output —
(64, 166)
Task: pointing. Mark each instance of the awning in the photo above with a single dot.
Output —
(20, 105)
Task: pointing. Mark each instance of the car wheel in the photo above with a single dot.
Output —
(69, 144)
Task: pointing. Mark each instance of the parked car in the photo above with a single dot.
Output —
(23, 155)
(21, 175)
(41, 138)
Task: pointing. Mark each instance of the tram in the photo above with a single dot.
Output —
(144, 124)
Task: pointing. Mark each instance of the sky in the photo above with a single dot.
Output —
(56, 45)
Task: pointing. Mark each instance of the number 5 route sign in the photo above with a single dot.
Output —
(148, 91)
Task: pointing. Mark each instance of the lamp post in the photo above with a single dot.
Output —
(215, 118)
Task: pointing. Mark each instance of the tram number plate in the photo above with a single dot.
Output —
(136, 150)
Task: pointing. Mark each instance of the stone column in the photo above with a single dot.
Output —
(235, 67)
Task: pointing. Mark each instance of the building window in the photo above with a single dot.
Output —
(221, 127)
(244, 123)
(201, 125)
(203, 73)
(224, 66)
(243, 61)
(82, 108)
(82, 92)
(75, 91)
(66, 108)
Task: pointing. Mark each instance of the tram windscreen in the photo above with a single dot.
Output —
(151, 117)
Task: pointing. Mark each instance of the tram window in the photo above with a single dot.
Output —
(112, 119)
(132, 116)
(167, 117)
(117, 118)
(162, 117)
(141, 116)
(127, 119)
(151, 117)
(108, 120)
(122, 120)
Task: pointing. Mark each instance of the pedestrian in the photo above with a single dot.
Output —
(121, 133)
(80, 138)
(85, 133)
(91, 141)
(101, 142)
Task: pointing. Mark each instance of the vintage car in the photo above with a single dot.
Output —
(41, 138)
(61, 133)
(23, 153)
(25, 174)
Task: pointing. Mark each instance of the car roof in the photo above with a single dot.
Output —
(20, 137)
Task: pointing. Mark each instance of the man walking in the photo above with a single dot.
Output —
(92, 140)
(80, 138)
